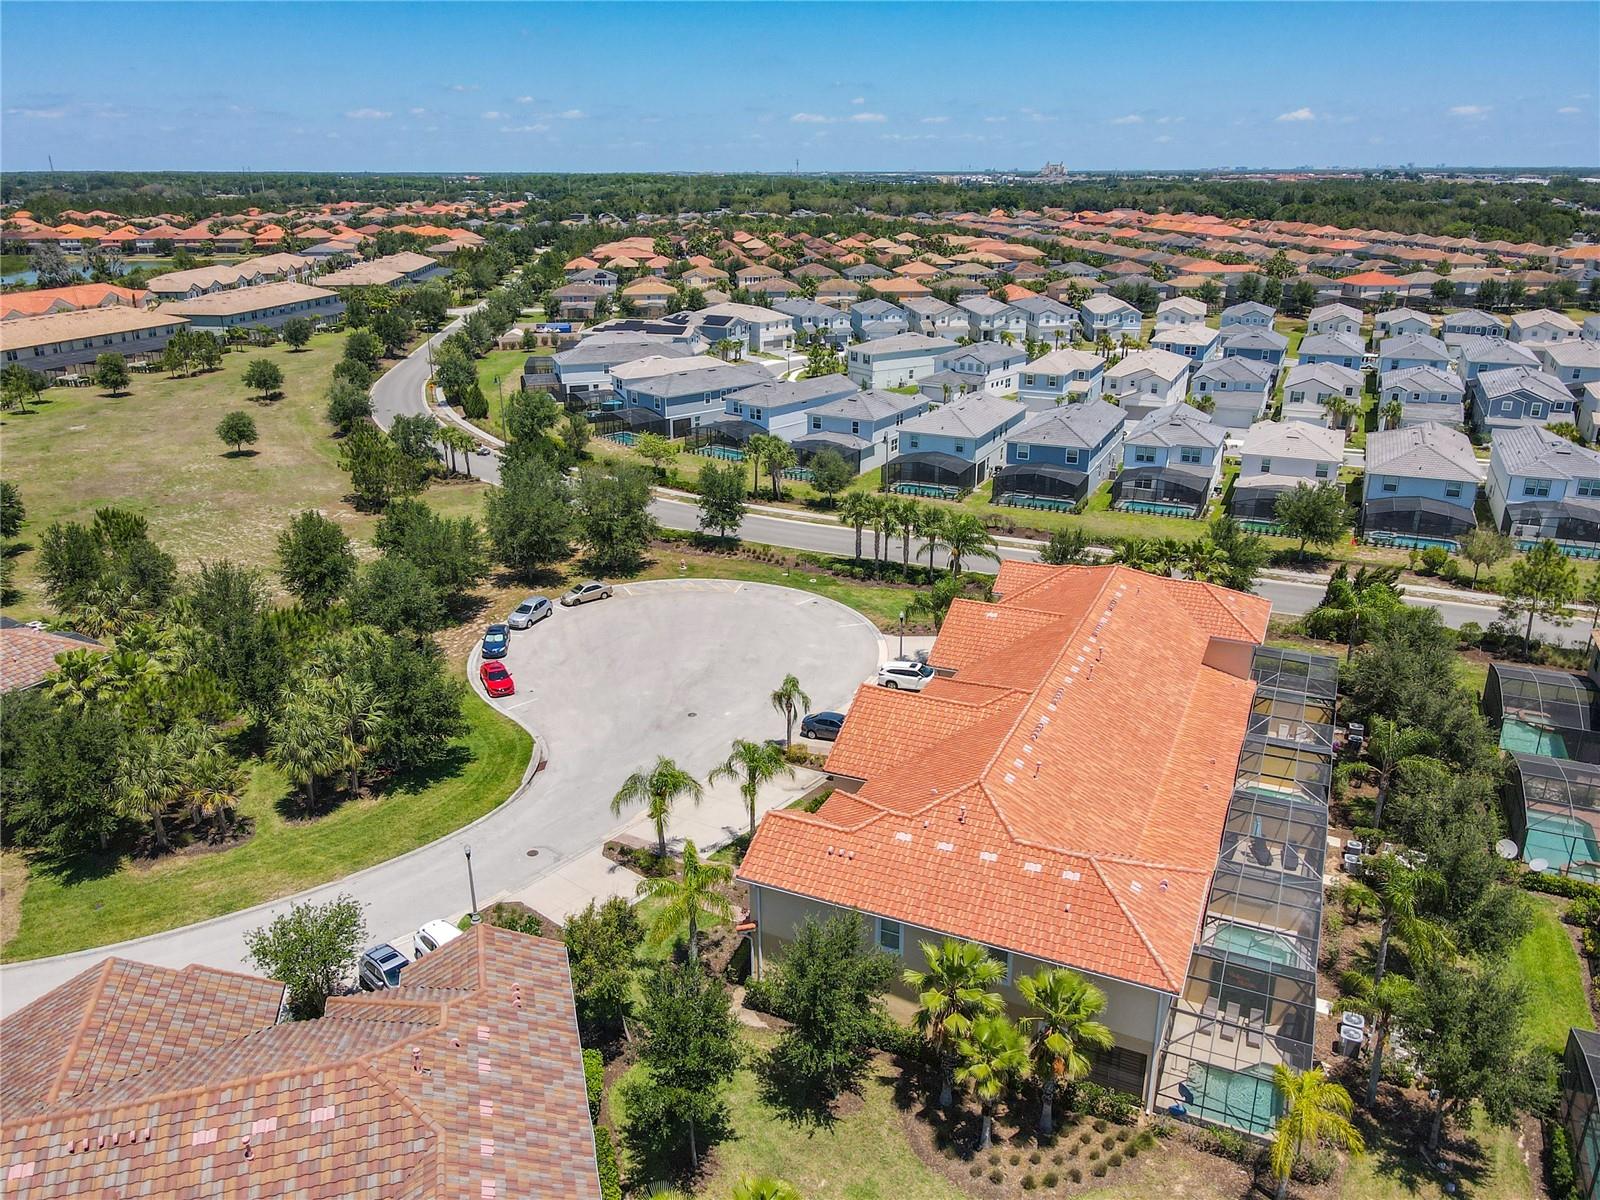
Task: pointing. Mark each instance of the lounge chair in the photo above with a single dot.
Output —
(1260, 851)
(1291, 857)
(1253, 1029)
(1230, 1018)
(1208, 1015)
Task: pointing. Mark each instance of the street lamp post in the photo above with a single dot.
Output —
(902, 653)
(472, 887)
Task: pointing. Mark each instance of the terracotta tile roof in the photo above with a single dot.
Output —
(1062, 795)
(28, 655)
(64, 299)
(463, 1082)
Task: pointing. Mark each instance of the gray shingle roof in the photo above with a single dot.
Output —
(870, 406)
(1083, 426)
(1533, 450)
(1176, 425)
(1426, 451)
(970, 416)
(1494, 384)
(907, 341)
(1424, 379)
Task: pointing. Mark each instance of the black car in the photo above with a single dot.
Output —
(823, 725)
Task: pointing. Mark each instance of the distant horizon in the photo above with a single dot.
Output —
(693, 88)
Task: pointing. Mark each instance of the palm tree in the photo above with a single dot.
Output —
(356, 714)
(951, 994)
(903, 516)
(212, 779)
(1393, 413)
(1338, 407)
(1382, 1002)
(856, 510)
(791, 704)
(1315, 1111)
(764, 1188)
(756, 449)
(752, 764)
(1136, 552)
(303, 747)
(1388, 746)
(148, 782)
(877, 510)
(964, 534)
(657, 789)
(1399, 892)
(780, 457)
(992, 1056)
(689, 898)
(1061, 1030)
(930, 526)
(1205, 561)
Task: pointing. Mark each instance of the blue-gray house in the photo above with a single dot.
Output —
(1263, 344)
(954, 445)
(1059, 456)
(1171, 461)
(776, 406)
(863, 427)
(1420, 486)
(875, 319)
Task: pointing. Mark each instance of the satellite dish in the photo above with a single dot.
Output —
(1538, 864)
(1506, 848)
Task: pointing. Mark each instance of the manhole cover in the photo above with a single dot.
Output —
(533, 854)
(694, 714)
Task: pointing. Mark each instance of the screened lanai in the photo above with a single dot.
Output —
(1540, 710)
(1553, 806)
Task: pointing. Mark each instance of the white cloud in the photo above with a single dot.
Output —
(1569, 109)
(1470, 111)
(994, 120)
(907, 137)
(1130, 119)
(1169, 120)
(859, 100)
(1164, 139)
(807, 118)
(417, 112)
(492, 115)
(524, 99)
(539, 128)
(1298, 114)
(463, 87)
(572, 114)
(935, 120)
(368, 114)
(868, 116)
(37, 114)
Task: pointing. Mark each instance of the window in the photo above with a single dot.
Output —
(1322, 470)
(961, 447)
(1142, 455)
(1022, 453)
(1389, 485)
(1028, 379)
(915, 441)
(816, 422)
(1072, 458)
(1266, 466)
(1296, 397)
(889, 935)
(1589, 487)
(1452, 491)
(1189, 454)
(1535, 487)
(1536, 410)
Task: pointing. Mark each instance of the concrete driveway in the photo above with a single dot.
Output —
(676, 667)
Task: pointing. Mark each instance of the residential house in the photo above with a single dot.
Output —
(954, 445)
(1342, 349)
(779, 407)
(704, 277)
(675, 396)
(1575, 362)
(28, 653)
(863, 427)
(269, 306)
(1308, 387)
(1520, 396)
(1252, 341)
(988, 319)
(986, 366)
(54, 343)
(1413, 350)
(1195, 341)
(757, 328)
(464, 1081)
(896, 361)
(838, 292)
(403, 269)
(1425, 394)
(1543, 486)
(1421, 481)
(1147, 380)
(1369, 287)
(1542, 325)
(1180, 310)
(598, 277)
(1061, 455)
(865, 273)
(1395, 322)
(1334, 318)
(812, 319)
(1278, 456)
(1061, 376)
(649, 295)
(1474, 353)
(874, 319)
(44, 301)
(1048, 320)
(1250, 314)
(575, 301)
(583, 372)
(751, 277)
(1591, 329)
(1107, 315)
(775, 288)
(1171, 461)
(933, 317)
(1589, 411)
(1472, 322)
(1240, 390)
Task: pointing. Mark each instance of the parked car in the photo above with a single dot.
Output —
(823, 725)
(380, 967)
(496, 641)
(531, 611)
(432, 936)
(585, 592)
(496, 679)
(904, 674)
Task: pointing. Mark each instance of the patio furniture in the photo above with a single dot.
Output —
(1230, 1019)
(1208, 1015)
(1254, 1028)
(1291, 858)
(1260, 851)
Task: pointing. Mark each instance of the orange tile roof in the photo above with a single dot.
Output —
(1061, 795)
(1373, 279)
(28, 655)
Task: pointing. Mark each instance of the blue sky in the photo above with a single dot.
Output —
(667, 86)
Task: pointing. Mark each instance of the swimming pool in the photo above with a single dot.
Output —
(1521, 738)
(727, 453)
(1156, 508)
(1243, 1099)
(1566, 843)
(1254, 943)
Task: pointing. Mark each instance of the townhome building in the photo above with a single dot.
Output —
(1591, 329)
(1061, 376)
(1542, 486)
(1342, 349)
(1474, 353)
(1107, 315)
(1059, 456)
(1171, 462)
(1542, 325)
(863, 427)
(1239, 389)
(780, 407)
(267, 306)
(1048, 320)
(1308, 387)
(875, 319)
(1413, 350)
(896, 361)
(1278, 456)
(761, 329)
(1425, 394)
(1334, 318)
(55, 343)
(1396, 322)
(1249, 314)
(1257, 342)
(933, 317)
(1574, 361)
(1519, 396)
(1147, 380)
(956, 445)
(1420, 486)
(989, 319)
(1474, 323)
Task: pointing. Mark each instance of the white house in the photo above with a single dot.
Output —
(1276, 456)
(1147, 380)
(1249, 314)
(1108, 315)
(989, 366)
(1239, 388)
(1542, 325)
(931, 316)
(1308, 385)
(988, 319)
(895, 361)
(1575, 362)
(1060, 376)
(1543, 486)
(1195, 341)
(1334, 318)
(1397, 321)
(1474, 322)
(1181, 310)
(1047, 320)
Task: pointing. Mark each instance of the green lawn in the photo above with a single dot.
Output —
(1386, 1173)
(61, 915)
(11, 264)
(499, 375)
(1548, 964)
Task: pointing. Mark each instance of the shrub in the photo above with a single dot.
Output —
(1107, 1142)
(1131, 1150)
(1099, 1170)
(1100, 1125)
(1086, 1137)
(1051, 1179)
(1469, 635)
(758, 996)
(994, 1159)
(594, 1081)
(1434, 559)
(1075, 1175)
(1036, 1158)
(997, 1176)
(1056, 1158)
(1560, 885)
(1094, 1155)
(1558, 1163)
(605, 1158)
(1124, 1134)
(1029, 1183)
(901, 1041)
(975, 1170)
(1114, 1161)
(1015, 1158)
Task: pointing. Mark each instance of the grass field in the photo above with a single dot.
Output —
(59, 914)
(499, 375)
(1548, 965)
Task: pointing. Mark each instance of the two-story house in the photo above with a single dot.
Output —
(777, 406)
(1395, 322)
(1261, 343)
(1413, 350)
(1277, 456)
(759, 328)
(1425, 394)
(1248, 314)
(1110, 316)
(1474, 353)
(863, 427)
(1343, 349)
(1543, 486)
(648, 295)
(1194, 340)
(1474, 323)
(1520, 396)
(583, 372)
(1171, 462)
(982, 366)
(1048, 320)
(895, 361)
(1061, 455)
(931, 316)
(1334, 318)
(1061, 376)
(1420, 486)
(812, 319)
(676, 396)
(876, 319)
(1574, 361)
(1147, 380)
(1239, 389)
(955, 445)
(988, 319)
(1308, 386)
(1180, 310)
(1542, 325)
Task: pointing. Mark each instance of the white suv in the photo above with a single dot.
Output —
(904, 674)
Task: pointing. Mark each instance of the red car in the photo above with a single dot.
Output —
(497, 680)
